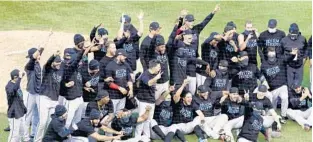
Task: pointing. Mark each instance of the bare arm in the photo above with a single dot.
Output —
(99, 137)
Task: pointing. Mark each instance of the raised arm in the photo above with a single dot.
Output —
(199, 27)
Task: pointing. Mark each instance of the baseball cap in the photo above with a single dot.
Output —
(154, 26)
(189, 18)
(233, 90)
(294, 29)
(187, 32)
(272, 23)
(203, 89)
(94, 114)
(262, 88)
(93, 65)
(101, 94)
(102, 31)
(69, 51)
(232, 24)
(223, 63)
(57, 59)
(243, 53)
(14, 73)
(296, 85)
(127, 19)
(121, 52)
(78, 38)
(159, 40)
(59, 110)
(31, 51)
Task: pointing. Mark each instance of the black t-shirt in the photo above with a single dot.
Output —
(183, 113)
(275, 73)
(259, 105)
(93, 80)
(146, 93)
(219, 82)
(295, 103)
(227, 52)
(103, 63)
(163, 59)
(251, 48)
(85, 128)
(207, 105)
(245, 78)
(268, 39)
(121, 74)
(104, 110)
(128, 126)
(191, 67)
(163, 114)
(232, 109)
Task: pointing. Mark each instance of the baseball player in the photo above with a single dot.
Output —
(16, 107)
(301, 102)
(233, 107)
(85, 130)
(56, 130)
(274, 71)
(120, 82)
(205, 101)
(295, 47)
(49, 93)
(34, 78)
(71, 88)
(147, 46)
(130, 37)
(109, 56)
(183, 113)
(102, 103)
(235, 34)
(146, 95)
(248, 42)
(100, 40)
(126, 122)
(221, 80)
(271, 38)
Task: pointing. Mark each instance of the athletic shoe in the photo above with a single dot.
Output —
(202, 140)
(283, 120)
(307, 127)
(276, 134)
(7, 129)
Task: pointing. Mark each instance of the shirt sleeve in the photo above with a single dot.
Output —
(61, 130)
(199, 27)
(145, 78)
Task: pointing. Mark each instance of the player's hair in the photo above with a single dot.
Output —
(107, 44)
(153, 63)
(248, 22)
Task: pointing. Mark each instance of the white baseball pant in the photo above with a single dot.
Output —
(301, 117)
(281, 92)
(187, 128)
(32, 115)
(82, 109)
(269, 95)
(144, 127)
(160, 88)
(17, 129)
(164, 129)
(135, 139)
(200, 79)
(72, 110)
(118, 104)
(61, 100)
(46, 107)
(192, 84)
(213, 125)
(243, 140)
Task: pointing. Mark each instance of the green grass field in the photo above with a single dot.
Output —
(80, 17)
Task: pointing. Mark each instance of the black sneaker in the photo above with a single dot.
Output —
(7, 129)
(283, 120)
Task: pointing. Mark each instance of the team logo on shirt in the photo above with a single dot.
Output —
(162, 59)
(205, 106)
(94, 81)
(120, 73)
(213, 54)
(302, 103)
(257, 125)
(57, 78)
(233, 110)
(127, 130)
(272, 71)
(245, 74)
(128, 47)
(186, 113)
(258, 107)
(252, 43)
(79, 77)
(220, 83)
(20, 93)
(191, 53)
(229, 48)
(182, 62)
(272, 42)
(165, 114)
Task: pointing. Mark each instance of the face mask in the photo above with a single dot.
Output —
(272, 30)
(246, 32)
(293, 37)
(223, 69)
(271, 56)
(244, 63)
(166, 104)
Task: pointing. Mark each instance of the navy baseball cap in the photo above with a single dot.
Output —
(294, 29)
(159, 40)
(127, 19)
(232, 24)
(223, 63)
(78, 38)
(187, 32)
(203, 89)
(94, 114)
(101, 94)
(57, 59)
(69, 51)
(15, 73)
(121, 52)
(272, 23)
(233, 90)
(94, 65)
(59, 110)
(154, 26)
(189, 18)
(262, 88)
(102, 31)
(31, 51)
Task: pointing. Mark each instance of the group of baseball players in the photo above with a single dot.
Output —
(182, 89)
